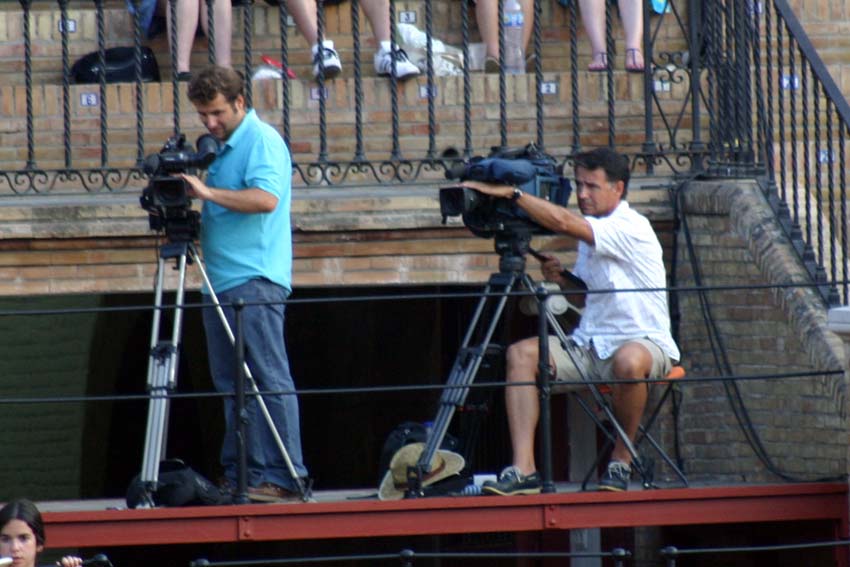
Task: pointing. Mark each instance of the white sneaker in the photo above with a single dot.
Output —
(404, 69)
(329, 58)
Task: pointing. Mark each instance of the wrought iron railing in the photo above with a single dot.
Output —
(666, 139)
(775, 111)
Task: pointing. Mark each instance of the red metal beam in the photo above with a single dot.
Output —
(430, 516)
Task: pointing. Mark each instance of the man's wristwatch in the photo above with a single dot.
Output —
(517, 194)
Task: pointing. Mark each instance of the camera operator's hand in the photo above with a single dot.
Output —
(70, 561)
(493, 189)
(247, 200)
(196, 188)
(552, 270)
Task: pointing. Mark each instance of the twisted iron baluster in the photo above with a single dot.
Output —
(768, 53)
(101, 55)
(172, 42)
(648, 147)
(538, 71)
(467, 86)
(432, 91)
(140, 97)
(713, 80)
(396, 153)
(26, 5)
(503, 105)
(795, 191)
(833, 254)
(695, 39)
(323, 126)
(761, 124)
(780, 96)
(66, 88)
(574, 109)
(727, 111)
(609, 72)
(211, 32)
(817, 172)
(745, 13)
(248, 26)
(842, 189)
(359, 154)
(284, 58)
(804, 111)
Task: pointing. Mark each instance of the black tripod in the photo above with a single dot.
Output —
(162, 372)
(511, 247)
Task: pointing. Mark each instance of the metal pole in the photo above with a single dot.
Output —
(241, 496)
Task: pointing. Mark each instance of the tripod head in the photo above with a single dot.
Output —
(512, 246)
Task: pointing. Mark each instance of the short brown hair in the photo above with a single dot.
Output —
(214, 80)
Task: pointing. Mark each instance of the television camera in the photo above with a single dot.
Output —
(166, 196)
(528, 168)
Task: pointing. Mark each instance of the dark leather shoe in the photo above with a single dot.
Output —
(268, 492)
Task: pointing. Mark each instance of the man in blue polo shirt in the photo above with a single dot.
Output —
(246, 241)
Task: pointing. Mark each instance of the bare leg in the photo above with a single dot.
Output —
(487, 14)
(522, 404)
(188, 12)
(631, 11)
(632, 364)
(378, 14)
(304, 12)
(223, 14)
(593, 16)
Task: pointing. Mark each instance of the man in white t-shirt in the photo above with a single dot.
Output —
(623, 335)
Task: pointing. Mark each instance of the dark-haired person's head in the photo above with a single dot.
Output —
(215, 80)
(217, 93)
(21, 532)
(614, 164)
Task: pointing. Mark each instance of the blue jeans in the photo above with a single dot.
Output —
(265, 352)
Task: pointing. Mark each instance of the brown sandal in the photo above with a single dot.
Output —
(634, 60)
(599, 63)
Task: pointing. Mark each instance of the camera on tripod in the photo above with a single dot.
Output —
(166, 197)
(528, 168)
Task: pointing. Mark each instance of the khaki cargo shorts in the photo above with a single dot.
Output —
(597, 369)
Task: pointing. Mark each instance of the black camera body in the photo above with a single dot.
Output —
(166, 197)
(528, 168)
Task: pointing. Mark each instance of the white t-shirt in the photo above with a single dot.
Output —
(627, 256)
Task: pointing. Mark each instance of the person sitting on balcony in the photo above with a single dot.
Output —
(189, 14)
(622, 336)
(22, 535)
(487, 15)
(593, 16)
(304, 12)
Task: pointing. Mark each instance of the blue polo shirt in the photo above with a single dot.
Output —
(238, 247)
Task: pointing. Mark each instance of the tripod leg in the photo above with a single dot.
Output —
(466, 363)
(162, 367)
(299, 482)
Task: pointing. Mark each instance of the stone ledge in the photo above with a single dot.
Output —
(314, 210)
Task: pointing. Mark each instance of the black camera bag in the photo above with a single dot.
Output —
(120, 66)
(178, 485)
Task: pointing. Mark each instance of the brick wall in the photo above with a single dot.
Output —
(43, 356)
(802, 422)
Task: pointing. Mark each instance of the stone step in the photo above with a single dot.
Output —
(82, 38)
